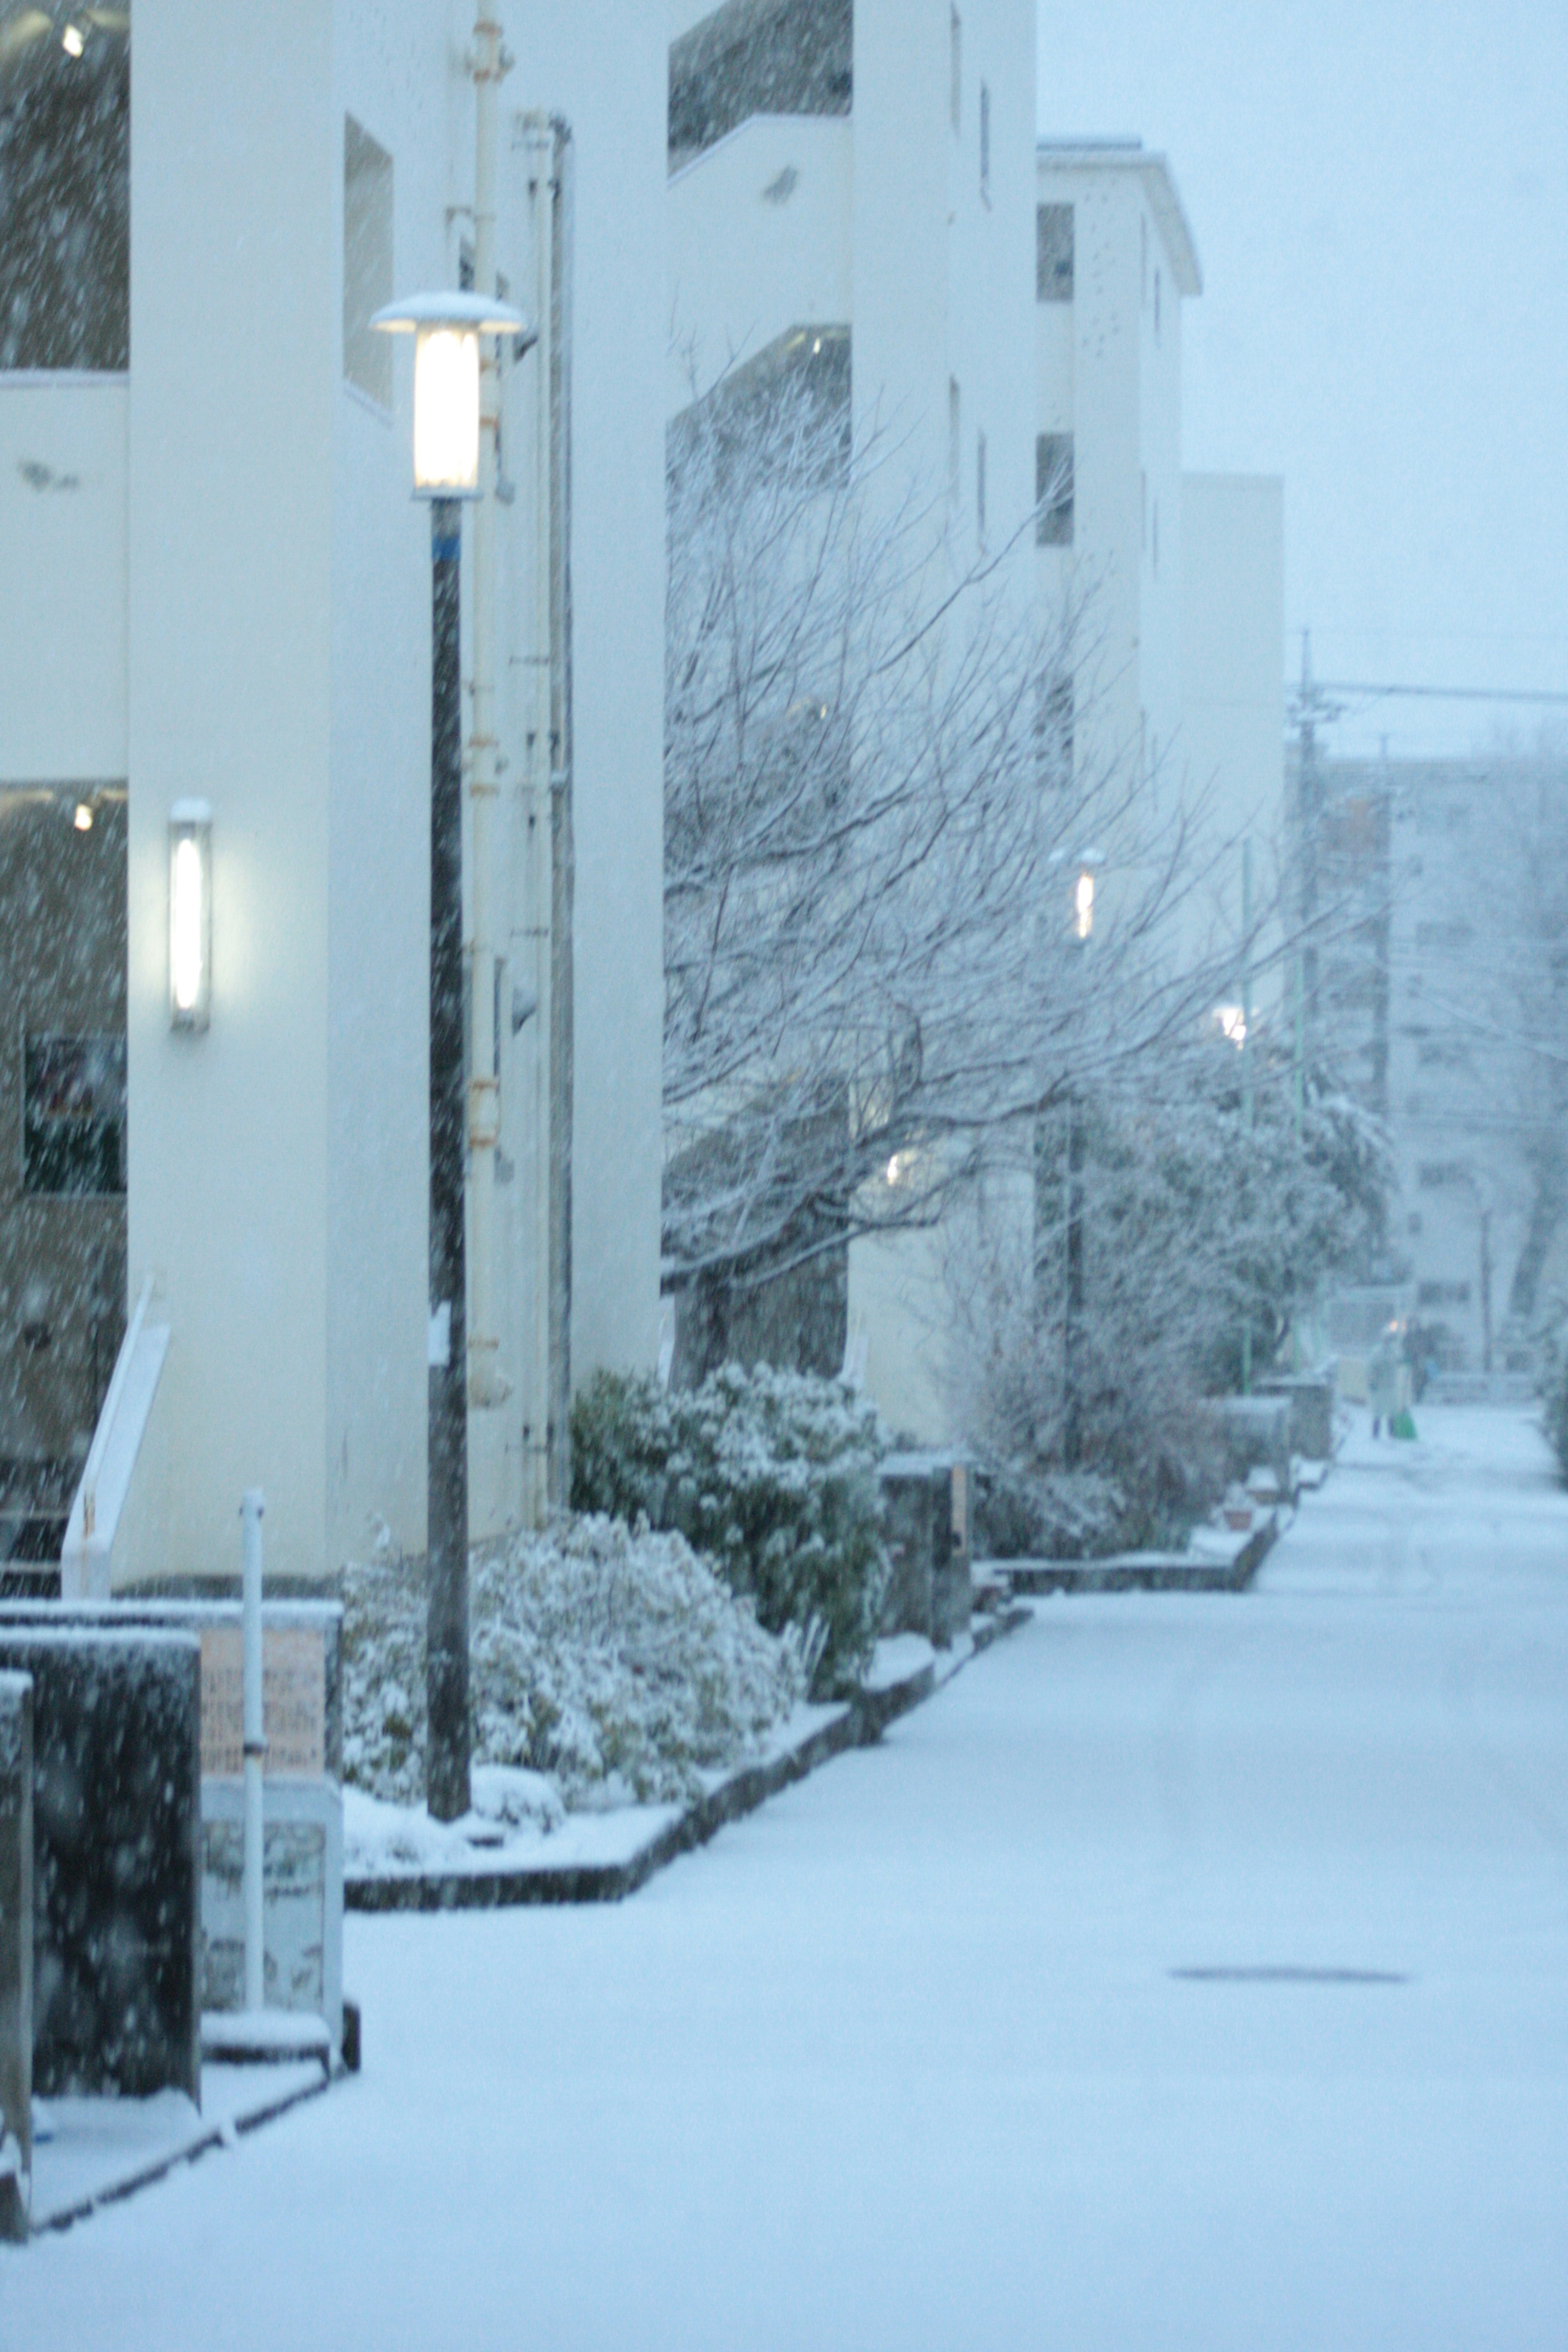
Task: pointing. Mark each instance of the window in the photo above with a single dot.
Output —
(73, 1115)
(65, 193)
(985, 141)
(1053, 490)
(1438, 1175)
(1442, 1054)
(954, 437)
(980, 489)
(1443, 1294)
(367, 261)
(955, 98)
(1448, 937)
(1413, 1224)
(758, 56)
(1053, 253)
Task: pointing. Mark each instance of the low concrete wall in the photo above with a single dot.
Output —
(926, 1509)
(115, 1819)
(15, 1952)
(1257, 1429)
(1310, 1397)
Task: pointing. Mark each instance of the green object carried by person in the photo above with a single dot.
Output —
(1403, 1424)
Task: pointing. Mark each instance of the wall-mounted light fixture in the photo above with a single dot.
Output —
(190, 914)
(446, 330)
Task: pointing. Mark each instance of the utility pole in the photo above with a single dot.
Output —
(1246, 1076)
(447, 1634)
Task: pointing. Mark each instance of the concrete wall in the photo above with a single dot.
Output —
(754, 251)
(234, 172)
(62, 587)
(1232, 702)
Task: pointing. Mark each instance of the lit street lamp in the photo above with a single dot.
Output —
(446, 330)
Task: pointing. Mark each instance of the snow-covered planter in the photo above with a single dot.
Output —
(772, 1474)
(618, 1664)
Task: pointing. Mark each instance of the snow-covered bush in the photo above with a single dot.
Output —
(1154, 1226)
(619, 1665)
(772, 1473)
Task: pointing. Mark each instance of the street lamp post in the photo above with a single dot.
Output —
(447, 328)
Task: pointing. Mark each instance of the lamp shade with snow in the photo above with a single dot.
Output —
(190, 914)
(446, 330)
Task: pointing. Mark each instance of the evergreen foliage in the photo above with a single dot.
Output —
(772, 1475)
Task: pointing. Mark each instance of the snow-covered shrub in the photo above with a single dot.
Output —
(1551, 1375)
(1053, 1515)
(772, 1474)
(619, 1665)
(1106, 1296)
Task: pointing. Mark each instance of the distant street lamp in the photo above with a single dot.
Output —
(447, 328)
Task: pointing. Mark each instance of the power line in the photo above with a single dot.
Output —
(1443, 693)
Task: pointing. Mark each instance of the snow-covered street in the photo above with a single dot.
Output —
(908, 2058)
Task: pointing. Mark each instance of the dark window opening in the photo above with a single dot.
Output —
(809, 373)
(367, 261)
(1053, 490)
(73, 1119)
(758, 56)
(1443, 1294)
(64, 195)
(1053, 253)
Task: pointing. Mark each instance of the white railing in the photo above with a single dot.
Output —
(112, 1457)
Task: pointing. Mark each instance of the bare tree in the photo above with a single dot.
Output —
(876, 826)
(1175, 1207)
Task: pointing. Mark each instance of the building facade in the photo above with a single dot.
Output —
(217, 588)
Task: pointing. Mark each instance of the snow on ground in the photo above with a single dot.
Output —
(900, 2061)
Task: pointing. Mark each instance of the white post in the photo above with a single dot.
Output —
(251, 1511)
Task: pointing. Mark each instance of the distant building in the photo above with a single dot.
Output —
(1431, 996)
(1182, 574)
(217, 587)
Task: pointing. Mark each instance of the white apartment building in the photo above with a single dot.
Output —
(1014, 311)
(1179, 576)
(216, 585)
(857, 169)
(1438, 997)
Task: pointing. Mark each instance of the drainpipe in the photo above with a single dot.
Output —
(488, 1386)
(533, 1016)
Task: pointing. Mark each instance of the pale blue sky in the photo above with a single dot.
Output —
(1379, 193)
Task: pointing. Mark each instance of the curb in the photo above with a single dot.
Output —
(860, 1724)
(1172, 1572)
(214, 2136)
